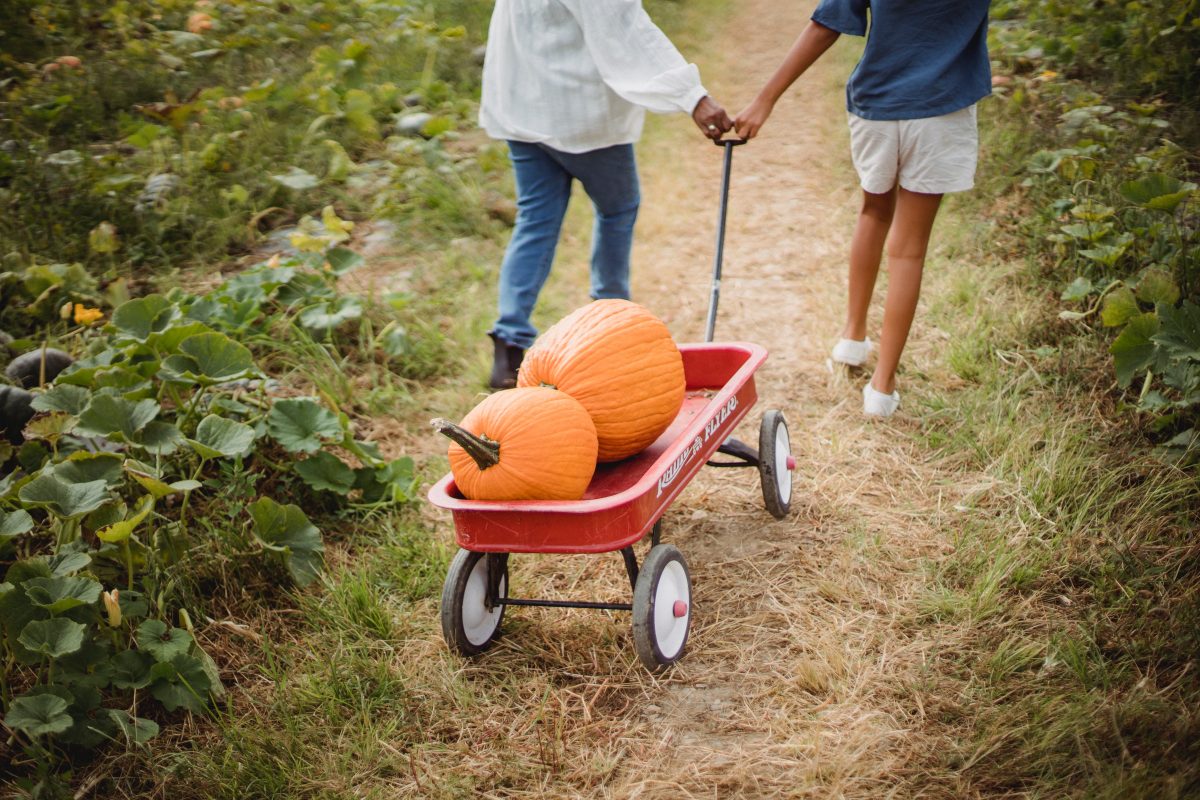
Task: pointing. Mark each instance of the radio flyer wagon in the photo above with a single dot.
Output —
(624, 502)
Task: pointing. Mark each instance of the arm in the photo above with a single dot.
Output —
(638, 62)
(813, 41)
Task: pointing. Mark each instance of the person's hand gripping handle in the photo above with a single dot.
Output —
(711, 118)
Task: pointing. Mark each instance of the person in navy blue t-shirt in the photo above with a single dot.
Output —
(911, 104)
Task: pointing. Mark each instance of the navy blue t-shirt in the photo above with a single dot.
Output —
(923, 58)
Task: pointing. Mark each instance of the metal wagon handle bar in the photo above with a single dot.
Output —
(723, 213)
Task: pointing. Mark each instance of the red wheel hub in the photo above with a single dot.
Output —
(791, 463)
(680, 608)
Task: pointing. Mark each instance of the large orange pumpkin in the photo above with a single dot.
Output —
(619, 361)
(523, 444)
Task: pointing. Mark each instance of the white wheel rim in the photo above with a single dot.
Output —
(478, 623)
(783, 475)
(670, 631)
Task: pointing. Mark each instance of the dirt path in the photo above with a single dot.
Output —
(800, 676)
(807, 674)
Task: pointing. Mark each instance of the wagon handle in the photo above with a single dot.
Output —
(728, 145)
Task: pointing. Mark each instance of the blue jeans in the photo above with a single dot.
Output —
(544, 178)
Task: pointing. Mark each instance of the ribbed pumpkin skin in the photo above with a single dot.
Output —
(547, 447)
(620, 362)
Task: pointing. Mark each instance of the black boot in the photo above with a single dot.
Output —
(505, 363)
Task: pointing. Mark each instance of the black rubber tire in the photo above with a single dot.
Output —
(454, 592)
(768, 464)
(645, 636)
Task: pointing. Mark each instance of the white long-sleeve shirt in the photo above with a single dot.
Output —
(578, 75)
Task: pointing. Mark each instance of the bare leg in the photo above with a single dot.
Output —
(866, 249)
(906, 247)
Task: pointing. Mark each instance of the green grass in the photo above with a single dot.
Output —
(1072, 594)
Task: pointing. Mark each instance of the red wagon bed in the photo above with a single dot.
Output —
(625, 498)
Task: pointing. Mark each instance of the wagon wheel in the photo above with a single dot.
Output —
(775, 463)
(662, 607)
(469, 623)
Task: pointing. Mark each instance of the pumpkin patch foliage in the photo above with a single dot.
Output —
(160, 458)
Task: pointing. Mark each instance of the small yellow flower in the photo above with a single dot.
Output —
(112, 607)
(1049, 75)
(85, 315)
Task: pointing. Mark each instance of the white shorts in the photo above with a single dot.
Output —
(935, 155)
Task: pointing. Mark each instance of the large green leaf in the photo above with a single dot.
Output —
(1120, 306)
(155, 485)
(66, 563)
(286, 530)
(17, 610)
(50, 427)
(1157, 191)
(298, 179)
(135, 729)
(169, 340)
(63, 397)
(394, 482)
(1087, 232)
(210, 358)
(113, 416)
(162, 642)
(1157, 286)
(82, 467)
(62, 498)
(53, 637)
(140, 318)
(1179, 332)
(342, 260)
(324, 316)
(302, 425)
(182, 683)
(218, 437)
(326, 471)
(62, 593)
(39, 715)
(395, 341)
(1110, 252)
(13, 524)
(120, 531)
(256, 284)
(131, 669)
(159, 438)
(1134, 349)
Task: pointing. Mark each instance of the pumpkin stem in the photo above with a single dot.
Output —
(485, 451)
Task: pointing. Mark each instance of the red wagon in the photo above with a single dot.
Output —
(624, 502)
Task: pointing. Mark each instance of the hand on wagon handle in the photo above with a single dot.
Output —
(711, 118)
(751, 119)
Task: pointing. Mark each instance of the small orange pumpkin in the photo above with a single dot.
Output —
(523, 444)
(620, 362)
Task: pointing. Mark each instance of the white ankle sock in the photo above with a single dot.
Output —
(850, 352)
(878, 404)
